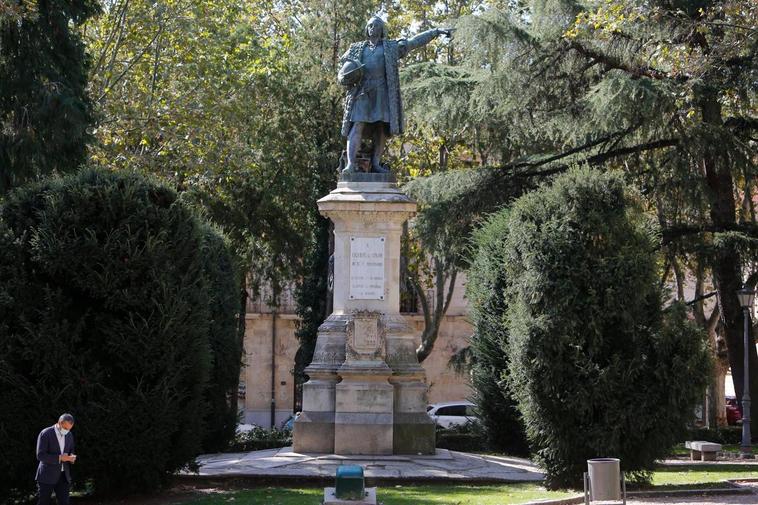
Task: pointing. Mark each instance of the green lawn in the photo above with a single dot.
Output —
(699, 474)
(681, 477)
(680, 450)
(392, 495)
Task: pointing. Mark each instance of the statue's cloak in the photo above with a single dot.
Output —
(393, 51)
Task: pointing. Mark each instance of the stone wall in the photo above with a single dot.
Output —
(256, 371)
(444, 384)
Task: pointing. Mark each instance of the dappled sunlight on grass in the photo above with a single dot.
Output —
(393, 495)
(466, 495)
(679, 477)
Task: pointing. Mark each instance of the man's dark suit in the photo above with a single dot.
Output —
(49, 475)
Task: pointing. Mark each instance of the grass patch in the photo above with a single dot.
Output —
(681, 451)
(393, 495)
(701, 474)
(664, 478)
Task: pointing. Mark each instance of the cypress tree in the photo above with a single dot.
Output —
(225, 341)
(45, 112)
(313, 303)
(499, 415)
(598, 368)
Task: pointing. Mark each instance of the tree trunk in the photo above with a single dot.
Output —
(727, 275)
(433, 316)
(6, 182)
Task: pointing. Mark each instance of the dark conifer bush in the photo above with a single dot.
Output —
(225, 339)
(44, 106)
(499, 416)
(111, 296)
(598, 368)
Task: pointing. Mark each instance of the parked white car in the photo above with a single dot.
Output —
(449, 414)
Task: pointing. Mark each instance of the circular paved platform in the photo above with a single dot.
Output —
(444, 465)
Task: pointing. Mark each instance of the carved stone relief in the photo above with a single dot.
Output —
(365, 337)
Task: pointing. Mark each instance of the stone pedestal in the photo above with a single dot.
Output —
(314, 429)
(367, 392)
(414, 429)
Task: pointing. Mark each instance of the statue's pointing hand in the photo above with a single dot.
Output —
(447, 32)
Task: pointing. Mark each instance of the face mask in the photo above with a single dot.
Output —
(63, 431)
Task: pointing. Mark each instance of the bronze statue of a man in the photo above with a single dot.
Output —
(370, 71)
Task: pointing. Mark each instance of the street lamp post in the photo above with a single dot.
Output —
(746, 297)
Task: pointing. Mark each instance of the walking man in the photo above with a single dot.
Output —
(55, 453)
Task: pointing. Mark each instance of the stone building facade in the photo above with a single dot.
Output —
(270, 343)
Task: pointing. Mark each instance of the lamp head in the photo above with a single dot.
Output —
(746, 297)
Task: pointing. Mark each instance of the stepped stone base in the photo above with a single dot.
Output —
(314, 432)
(414, 434)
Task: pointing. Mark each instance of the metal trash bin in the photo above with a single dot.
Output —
(604, 482)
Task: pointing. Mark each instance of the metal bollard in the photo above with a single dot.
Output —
(604, 482)
(350, 483)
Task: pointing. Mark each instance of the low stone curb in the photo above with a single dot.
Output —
(320, 479)
(734, 489)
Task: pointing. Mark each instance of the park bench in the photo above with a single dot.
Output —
(702, 451)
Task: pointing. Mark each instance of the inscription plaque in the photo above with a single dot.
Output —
(367, 268)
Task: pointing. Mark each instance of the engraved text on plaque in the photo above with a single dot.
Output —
(367, 268)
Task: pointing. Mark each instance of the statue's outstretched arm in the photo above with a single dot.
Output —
(405, 46)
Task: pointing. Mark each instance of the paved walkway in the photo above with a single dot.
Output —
(444, 465)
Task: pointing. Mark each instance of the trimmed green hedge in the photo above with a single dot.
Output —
(731, 435)
(259, 438)
(112, 307)
(466, 438)
(501, 421)
(597, 367)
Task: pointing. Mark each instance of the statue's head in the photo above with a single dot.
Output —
(375, 25)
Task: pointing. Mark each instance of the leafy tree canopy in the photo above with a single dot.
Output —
(661, 90)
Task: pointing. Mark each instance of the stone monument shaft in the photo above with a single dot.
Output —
(367, 392)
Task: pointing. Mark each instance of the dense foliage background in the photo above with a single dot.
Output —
(663, 91)
(115, 306)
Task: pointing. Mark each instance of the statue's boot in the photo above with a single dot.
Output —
(349, 169)
(379, 168)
